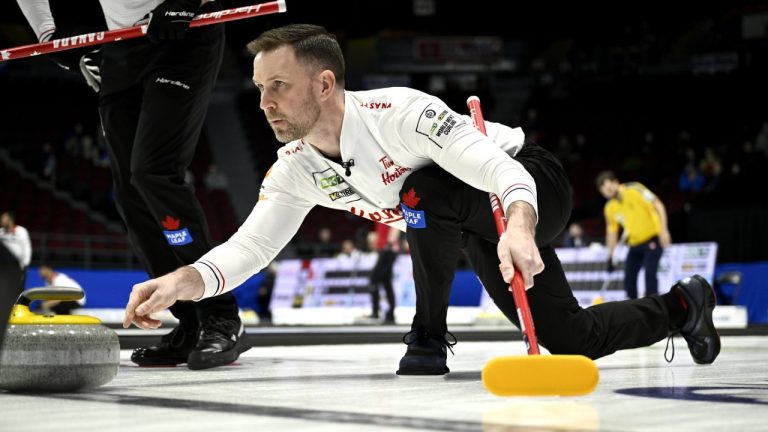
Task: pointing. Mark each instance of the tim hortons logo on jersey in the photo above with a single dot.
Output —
(376, 105)
(386, 162)
(388, 177)
(384, 215)
(78, 40)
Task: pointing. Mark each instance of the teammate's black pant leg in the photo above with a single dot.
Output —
(153, 106)
(451, 206)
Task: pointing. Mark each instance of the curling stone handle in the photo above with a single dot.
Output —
(50, 293)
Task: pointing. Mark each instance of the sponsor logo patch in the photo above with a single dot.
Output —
(178, 238)
(437, 127)
(162, 80)
(410, 199)
(388, 178)
(174, 235)
(341, 194)
(331, 181)
(413, 218)
(376, 105)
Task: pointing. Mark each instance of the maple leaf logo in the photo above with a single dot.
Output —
(410, 199)
(171, 224)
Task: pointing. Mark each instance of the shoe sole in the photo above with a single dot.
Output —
(198, 360)
(159, 362)
(709, 306)
(422, 371)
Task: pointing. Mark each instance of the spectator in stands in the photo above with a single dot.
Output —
(264, 293)
(691, 179)
(638, 211)
(215, 179)
(16, 240)
(349, 251)
(154, 93)
(761, 140)
(575, 237)
(73, 145)
(48, 165)
(324, 247)
(53, 278)
(711, 167)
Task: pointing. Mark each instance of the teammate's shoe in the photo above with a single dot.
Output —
(173, 349)
(221, 342)
(699, 329)
(426, 354)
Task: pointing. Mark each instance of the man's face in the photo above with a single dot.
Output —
(46, 273)
(286, 93)
(609, 189)
(5, 221)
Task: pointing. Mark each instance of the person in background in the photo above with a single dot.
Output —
(53, 278)
(574, 237)
(215, 179)
(637, 210)
(16, 239)
(387, 244)
(349, 251)
(264, 293)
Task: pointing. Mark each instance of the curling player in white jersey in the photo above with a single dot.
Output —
(402, 157)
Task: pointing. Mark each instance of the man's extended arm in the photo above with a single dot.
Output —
(266, 231)
(664, 237)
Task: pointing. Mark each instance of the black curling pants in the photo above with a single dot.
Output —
(153, 103)
(458, 216)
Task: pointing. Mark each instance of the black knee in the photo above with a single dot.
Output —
(426, 185)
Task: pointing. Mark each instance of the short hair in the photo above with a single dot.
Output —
(605, 176)
(10, 215)
(311, 43)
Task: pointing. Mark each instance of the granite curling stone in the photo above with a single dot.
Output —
(56, 353)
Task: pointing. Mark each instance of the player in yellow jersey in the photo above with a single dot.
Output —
(642, 214)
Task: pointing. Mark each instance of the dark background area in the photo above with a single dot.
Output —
(644, 89)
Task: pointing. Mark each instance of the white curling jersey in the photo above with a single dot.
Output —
(388, 133)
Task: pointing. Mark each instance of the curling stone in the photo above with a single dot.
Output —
(56, 353)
